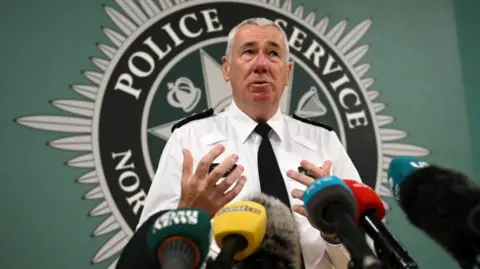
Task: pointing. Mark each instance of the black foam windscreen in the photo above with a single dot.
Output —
(474, 220)
(439, 201)
(333, 195)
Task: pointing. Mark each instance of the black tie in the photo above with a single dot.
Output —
(271, 179)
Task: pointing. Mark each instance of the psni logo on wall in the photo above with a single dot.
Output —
(163, 63)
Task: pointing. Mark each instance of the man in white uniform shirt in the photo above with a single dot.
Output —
(256, 65)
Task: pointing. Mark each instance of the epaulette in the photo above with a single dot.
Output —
(195, 116)
(319, 124)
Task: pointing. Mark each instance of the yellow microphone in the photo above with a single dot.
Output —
(238, 229)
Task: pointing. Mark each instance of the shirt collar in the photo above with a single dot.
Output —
(244, 125)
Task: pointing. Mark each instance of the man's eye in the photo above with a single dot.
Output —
(274, 53)
(249, 51)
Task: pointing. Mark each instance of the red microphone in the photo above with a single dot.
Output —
(367, 199)
(370, 213)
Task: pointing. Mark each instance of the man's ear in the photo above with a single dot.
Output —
(226, 68)
(289, 70)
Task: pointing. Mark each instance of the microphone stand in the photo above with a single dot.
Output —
(210, 263)
(353, 265)
(385, 258)
(216, 264)
(389, 262)
(396, 258)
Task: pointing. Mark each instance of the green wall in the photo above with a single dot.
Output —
(466, 13)
(424, 57)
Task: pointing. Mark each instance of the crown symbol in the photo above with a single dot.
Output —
(310, 105)
(183, 94)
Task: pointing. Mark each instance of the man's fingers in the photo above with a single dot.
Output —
(296, 193)
(221, 169)
(227, 182)
(327, 165)
(300, 210)
(299, 177)
(204, 164)
(187, 165)
(316, 171)
(229, 196)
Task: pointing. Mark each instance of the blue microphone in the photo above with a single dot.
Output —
(332, 208)
(400, 168)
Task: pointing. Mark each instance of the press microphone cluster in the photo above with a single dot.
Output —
(259, 232)
(442, 202)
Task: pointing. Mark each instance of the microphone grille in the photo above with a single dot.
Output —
(282, 240)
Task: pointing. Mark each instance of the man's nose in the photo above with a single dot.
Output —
(260, 65)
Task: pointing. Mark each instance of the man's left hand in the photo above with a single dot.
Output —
(317, 172)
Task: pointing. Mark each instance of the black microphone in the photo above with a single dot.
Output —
(440, 202)
(280, 248)
(331, 208)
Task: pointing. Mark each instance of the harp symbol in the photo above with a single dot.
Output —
(310, 105)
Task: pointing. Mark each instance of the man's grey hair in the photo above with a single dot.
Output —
(259, 22)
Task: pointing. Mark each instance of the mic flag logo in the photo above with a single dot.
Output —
(175, 218)
(399, 169)
(162, 62)
(420, 164)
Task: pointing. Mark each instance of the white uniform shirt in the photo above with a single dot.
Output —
(292, 141)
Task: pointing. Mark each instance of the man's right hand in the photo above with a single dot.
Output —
(200, 189)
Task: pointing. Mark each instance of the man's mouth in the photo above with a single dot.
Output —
(260, 83)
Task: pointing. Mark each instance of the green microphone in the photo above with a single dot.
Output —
(180, 239)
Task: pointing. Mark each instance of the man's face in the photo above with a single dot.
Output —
(258, 68)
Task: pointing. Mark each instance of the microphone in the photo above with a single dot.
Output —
(439, 201)
(180, 239)
(331, 208)
(280, 248)
(370, 213)
(138, 253)
(238, 229)
(399, 169)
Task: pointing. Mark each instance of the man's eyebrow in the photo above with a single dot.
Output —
(248, 44)
(253, 43)
(273, 44)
